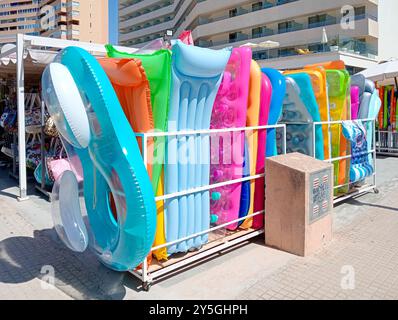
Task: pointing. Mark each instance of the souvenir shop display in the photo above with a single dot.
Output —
(387, 121)
(161, 153)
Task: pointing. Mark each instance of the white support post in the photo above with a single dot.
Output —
(21, 118)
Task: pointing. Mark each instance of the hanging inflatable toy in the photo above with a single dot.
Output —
(229, 111)
(278, 83)
(307, 96)
(319, 87)
(157, 66)
(253, 115)
(340, 109)
(259, 194)
(109, 155)
(360, 167)
(196, 78)
(299, 134)
(355, 102)
(131, 85)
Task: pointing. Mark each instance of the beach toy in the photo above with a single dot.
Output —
(244, 205)
(132, 88)
(339, 101)
(278, 83)
(338, 82)
(157, 67)
(319, 87)
(355, 132)
(329, 65)
(252, 120)
(355, 101)
(299, 134)
(196, 78)
(259, 190)
(307, 96)
(112, 163)
(369, 109)
(227, 150)
(358, 80)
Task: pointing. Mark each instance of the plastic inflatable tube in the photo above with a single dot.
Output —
(319, 86)
(229, 111)
(111, 163)
(299, 134)
(253, 115)
(132, 88)
(67, 213)
(307, 96)
(259, 191)
(358, 80)
(244, 204)
(338, 82)
(278, 83)
(196, 77)
(355, 101)
(355, 132)
(157, 66)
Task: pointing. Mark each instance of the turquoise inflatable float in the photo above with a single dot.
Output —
(109, 154)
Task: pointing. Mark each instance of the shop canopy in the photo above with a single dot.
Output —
(384, 71)
(24, 63)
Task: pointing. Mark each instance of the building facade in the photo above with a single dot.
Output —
(80, 20)
(353, 29)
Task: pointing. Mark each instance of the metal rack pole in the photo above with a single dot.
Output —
(144, 274)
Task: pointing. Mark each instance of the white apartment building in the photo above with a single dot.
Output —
(365, 37)
(79, 20)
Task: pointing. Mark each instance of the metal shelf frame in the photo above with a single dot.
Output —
(387, 143)
(147, 275)
(354, 191)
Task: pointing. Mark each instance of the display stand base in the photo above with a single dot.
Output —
(180, 262)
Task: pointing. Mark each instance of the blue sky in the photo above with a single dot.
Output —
(113, 21)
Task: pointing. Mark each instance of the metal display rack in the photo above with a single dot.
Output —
(387, 143)
(355, 189)
(217, 244)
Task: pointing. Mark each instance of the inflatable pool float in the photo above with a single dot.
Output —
(244, 205)
(278, 83)
(319, 87)
(339, 84)
(369, 109)
(358, 80)
(355, 101)
(196, 78)
(355, 132)
(339, 101)
(252, 120)
(307, 96)
(157, 66)
(259, 190)
(131, 85)
(299, 136)
(229, 111)
(110, 157)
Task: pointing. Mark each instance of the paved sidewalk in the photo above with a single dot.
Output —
(365, 245)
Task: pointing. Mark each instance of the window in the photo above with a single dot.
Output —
(233, 36)
(233, 12)
(256, 32)
(318, 19)
(257, 6)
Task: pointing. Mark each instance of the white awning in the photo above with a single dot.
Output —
(382, 72)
